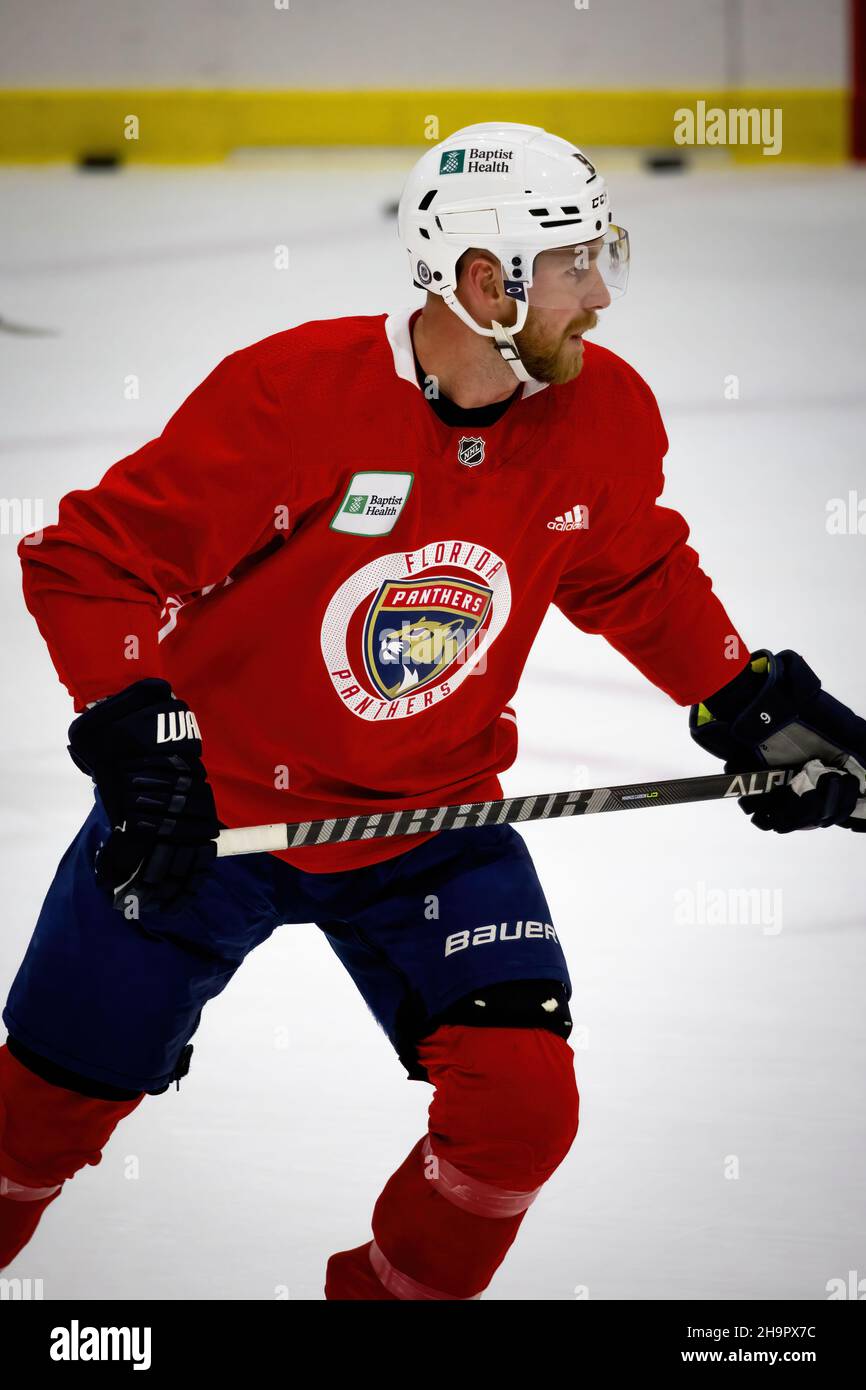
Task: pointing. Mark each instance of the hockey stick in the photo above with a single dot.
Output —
(678, 791)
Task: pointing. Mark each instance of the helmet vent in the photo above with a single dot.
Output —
(424, 232)
(539, 212)
(427, 200)
(562, 222)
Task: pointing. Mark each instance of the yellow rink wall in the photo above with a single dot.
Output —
(185, 126)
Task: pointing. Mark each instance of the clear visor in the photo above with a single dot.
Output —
(572, 277)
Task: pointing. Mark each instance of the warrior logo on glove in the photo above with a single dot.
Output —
(143, 748)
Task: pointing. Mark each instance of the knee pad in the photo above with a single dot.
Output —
(47, 1132)
(512, 1004)
(504, 1115)
(505, 1004)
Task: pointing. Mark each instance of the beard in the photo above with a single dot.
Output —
(549, 356)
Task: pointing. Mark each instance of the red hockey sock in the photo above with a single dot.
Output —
(46, 1134)
(350, 1276)
(503, 1117)
(425, 1247)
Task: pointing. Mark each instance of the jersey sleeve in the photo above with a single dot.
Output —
(643, 589)
(170, 520)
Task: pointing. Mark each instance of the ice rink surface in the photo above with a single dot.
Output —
(702, 1050)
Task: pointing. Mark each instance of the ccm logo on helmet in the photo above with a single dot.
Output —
(502, 931)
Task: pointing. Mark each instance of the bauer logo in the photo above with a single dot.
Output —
(499, 931)
(372, 503)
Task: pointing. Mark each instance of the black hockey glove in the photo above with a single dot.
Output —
(775, 714)
(143, 750)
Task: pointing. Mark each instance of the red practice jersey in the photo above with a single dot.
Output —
(345, 589)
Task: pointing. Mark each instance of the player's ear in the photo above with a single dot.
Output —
(480, 284)
(492, 278)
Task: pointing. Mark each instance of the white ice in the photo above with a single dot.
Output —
(695, 1044)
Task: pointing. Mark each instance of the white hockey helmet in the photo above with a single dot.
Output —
(513, 190)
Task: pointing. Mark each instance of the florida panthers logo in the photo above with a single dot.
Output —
(405, 631)
(416, 632)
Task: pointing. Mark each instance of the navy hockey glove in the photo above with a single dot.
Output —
(775, 714)
(143, 750)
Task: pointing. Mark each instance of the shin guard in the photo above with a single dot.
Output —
(503, 1117)
(46, 1134)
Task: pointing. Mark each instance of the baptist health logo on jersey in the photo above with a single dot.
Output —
(403, 632)
(372, 502)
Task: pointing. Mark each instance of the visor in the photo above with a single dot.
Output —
(561, 275)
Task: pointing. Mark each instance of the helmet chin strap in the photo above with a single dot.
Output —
(503, 339)
(507, 348)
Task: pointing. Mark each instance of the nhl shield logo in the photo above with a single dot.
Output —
(470, 450)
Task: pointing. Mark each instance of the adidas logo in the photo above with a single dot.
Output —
(575, 519)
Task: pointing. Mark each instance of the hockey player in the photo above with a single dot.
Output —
(314, 595)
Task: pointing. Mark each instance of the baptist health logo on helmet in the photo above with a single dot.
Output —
(474, 161)
(404, 631)
(452, 162)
